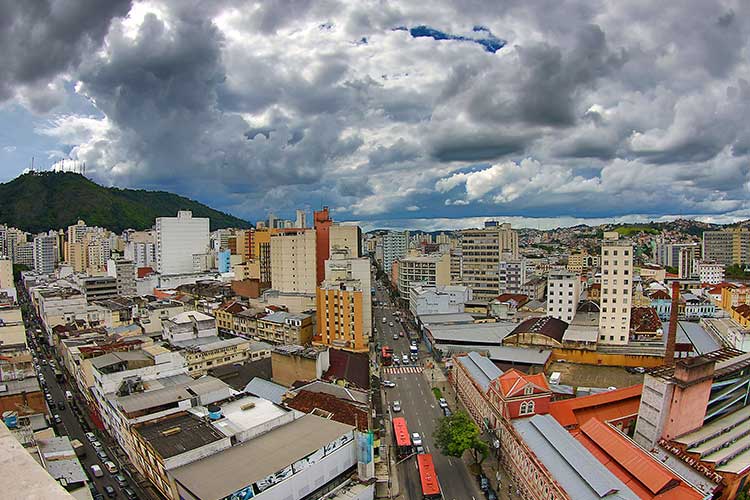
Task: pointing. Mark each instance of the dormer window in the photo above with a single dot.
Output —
(528, 390)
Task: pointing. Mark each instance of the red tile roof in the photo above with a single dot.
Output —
(352, 367)
(640, 472)
(743, 310)
(606, 406)
(546, 325)
(660, 295)
(644, 319)
(307, 401)
(716, 290)
(513, 381)
(145, 271)
(519, 298)
(233, 307)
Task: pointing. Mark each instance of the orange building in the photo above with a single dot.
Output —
(618, 407)
(340, 314)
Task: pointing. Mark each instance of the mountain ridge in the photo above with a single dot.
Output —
(40, 201)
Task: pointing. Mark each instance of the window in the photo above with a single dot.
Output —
(528, 390)
(622, 338)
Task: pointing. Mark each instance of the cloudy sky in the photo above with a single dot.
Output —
(388, 111)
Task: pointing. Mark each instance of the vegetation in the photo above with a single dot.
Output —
(671, 269)
(457, 434)
(631, 230)
(736, 272)
(437, 392)
(18, 269)
(37, 202)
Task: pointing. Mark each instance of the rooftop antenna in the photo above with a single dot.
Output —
(32, 164)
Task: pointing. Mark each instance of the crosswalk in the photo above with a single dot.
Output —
(402, 369)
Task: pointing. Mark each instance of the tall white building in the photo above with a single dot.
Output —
(300, 220)
(710, 272)
(44, 254)
(6, 273)
(293, 261)
(178, 239)
(395, 245)
(563, 293)
(617, 283)
(512, 275)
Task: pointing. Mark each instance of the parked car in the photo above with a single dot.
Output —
(484, 483)
(111, 467)
(102, 455)
(447, 412)
(388, 383)
(130, 494)
(57, 419)
(121, 479)
(110, 491)
(97, 471)
(90, 436)
(491, 495)
(397, 406)
(443, 403)
(416, 439)
(96, 444)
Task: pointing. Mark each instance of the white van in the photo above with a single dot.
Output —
(554, 379)
(68, 395)
(97, 471)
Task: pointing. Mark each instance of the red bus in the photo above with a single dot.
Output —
(428, 478)
(401, 437)
(386, 356)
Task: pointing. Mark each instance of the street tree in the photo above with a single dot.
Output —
(458, 433)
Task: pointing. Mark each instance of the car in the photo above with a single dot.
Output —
(98, 496)
(97, 471)
(102, 455)
(484, 483)
(639, 369)
(110, 491)
(395, 336)
(401, 334)
(44, 362)
(419, 449)
(397, 406)
(416, 439)
(491, 495)
(385, 320)
(57, 419)
(443, 403)
(111, 467)
(447, 412)
(388, 383)
(90, 436)
(49, 397)
(390, 324)
(61, 405)
(130, 494)
(96, 444)
(121, 480)
(396, 361)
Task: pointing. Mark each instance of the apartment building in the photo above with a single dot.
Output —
(563, 293)
(293, 260)
(6, 273)
(482, 251)
(728, 247)
(395, 245)
(346, 236)
(616, 289)
(424, 300)
(178, 239)
(123, 271)
(429, 270)
(44, 253)
(709, 272)
(340, 315)
(283, 328)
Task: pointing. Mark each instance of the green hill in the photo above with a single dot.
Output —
(41, 201)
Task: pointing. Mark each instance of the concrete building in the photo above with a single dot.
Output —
(178, 239)
(395, 246)
(293, 260)
(438, 299)
(292, 363)
(482, 251)
(6, 274)
(300, 219)
(345, 236)
(322, 223)
(44, 254)
(512, 275)
(429, 270)
(563, 293)
(728, 247)
(668, 254)
(616, 290)
(188, 326)
(342, 322)
(99, 288)
(686, 261)
(710, 272)
(124, 273)
(283, 328)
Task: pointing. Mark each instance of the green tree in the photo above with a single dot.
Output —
(458, 433)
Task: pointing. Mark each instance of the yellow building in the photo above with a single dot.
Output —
(285, 328)
(733, 296)
(201, 357)
(340, 315)
(345, 236)
(262, 253)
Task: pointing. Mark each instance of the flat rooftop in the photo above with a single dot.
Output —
(474, 333)
(224, 473)
(178, 434)
(243, 414)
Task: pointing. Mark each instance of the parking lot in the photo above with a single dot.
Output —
(594, 376)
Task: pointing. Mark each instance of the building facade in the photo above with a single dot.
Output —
(395, 246)
(293, 260)
(728, 247)
(563, 293)
(482, 251)
(616, 290)
(430, 270)
(178, 239)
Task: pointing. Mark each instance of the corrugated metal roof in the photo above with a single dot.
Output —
(570, 463)
(480, 368)
(503, 353)
(266, 390)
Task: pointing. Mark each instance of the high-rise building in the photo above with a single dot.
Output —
(322, 222)
(293, 260)
(710, 272)
(563, 293)
(6, 273)
(345, 236)
(178, 239)
(686, 261)
(395, 246)
(482, 251)
(728, 247)
(300, 220)
(616, 287)
(124, 272)
(245, 244)
(344, 304)
(262, 253)
(44, 254)
(24, 254)
(429, 270)
(512, 274)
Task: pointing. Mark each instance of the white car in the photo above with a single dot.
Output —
(388, 383)
(405, 359)
(390, 324)
(416, 439)
(111, 467)
(443, 403)
(90, 436)
(396, 406)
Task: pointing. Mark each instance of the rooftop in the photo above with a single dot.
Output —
(266, 389)
(513, 381)
(481, 369)
(548, 326)
(243, 412)
(604, 406)
(479, 333)
(346, 393)
(645, 320)
(504, 354)
(189, 316)
(207, 344)
(572, 466)
(351, 367)
(340, 410)
(178, 433)
(281, 317)
(443, 319)
(224, 473)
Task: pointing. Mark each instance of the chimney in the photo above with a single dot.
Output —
(672, 333)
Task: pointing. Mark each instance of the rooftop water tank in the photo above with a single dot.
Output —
(214, 412)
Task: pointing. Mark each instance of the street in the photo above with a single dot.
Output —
(420, 408)
(72, 422)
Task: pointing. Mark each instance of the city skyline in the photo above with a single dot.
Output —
(385, 111)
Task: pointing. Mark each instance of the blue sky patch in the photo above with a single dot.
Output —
(489, 42)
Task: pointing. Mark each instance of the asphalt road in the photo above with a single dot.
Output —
(421, 410)
(73, 425)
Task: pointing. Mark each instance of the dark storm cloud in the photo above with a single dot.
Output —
(42, 38)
